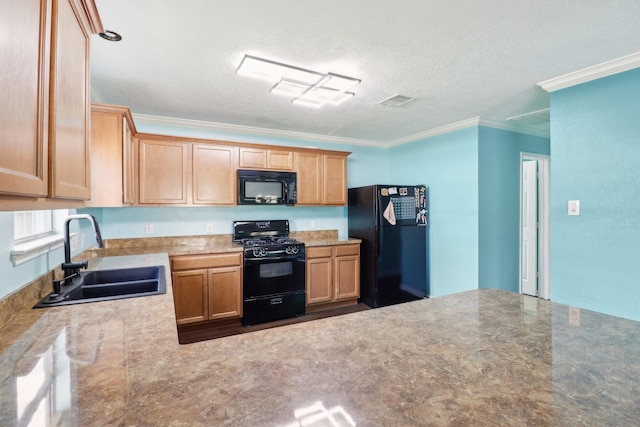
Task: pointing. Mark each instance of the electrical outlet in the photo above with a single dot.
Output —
(313, 224)
(148, 228)
(209, 228)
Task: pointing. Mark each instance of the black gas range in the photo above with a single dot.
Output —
(273, 273)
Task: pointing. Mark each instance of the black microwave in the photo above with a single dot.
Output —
(266, 187)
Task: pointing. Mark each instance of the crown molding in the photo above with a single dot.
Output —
(605, 69)
(463, 124)
(515, 127)
(236, 131)
(142, 119)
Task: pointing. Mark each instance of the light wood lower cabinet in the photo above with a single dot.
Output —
(207, 287)
(332, 276)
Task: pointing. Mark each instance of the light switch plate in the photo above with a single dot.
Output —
(573, 207)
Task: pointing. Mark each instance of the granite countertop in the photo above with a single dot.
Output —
(481, 358)
(194, 245)
(83, 356)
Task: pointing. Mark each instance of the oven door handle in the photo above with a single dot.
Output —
(277, 258)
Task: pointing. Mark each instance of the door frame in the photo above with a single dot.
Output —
(544, 285)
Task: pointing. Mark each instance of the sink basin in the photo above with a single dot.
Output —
(104, 285)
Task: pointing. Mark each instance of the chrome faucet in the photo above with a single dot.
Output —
(71, 269)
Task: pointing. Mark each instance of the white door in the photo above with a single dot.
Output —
(529, 252)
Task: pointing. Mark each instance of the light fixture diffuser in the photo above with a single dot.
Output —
(306, 87)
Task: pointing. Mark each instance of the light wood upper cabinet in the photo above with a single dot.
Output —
(309, 176)
(24, 74)
(177, 171)
(111, 156)
(335, 179)
(45, 121)
(214, 174)
(263, 158)
(69, 113)
(164, 171)
(322, 178)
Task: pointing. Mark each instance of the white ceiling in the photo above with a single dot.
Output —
(460, 59)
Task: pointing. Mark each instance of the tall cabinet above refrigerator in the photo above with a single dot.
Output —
(392, 222)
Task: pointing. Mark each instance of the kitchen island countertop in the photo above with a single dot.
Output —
(482, 357)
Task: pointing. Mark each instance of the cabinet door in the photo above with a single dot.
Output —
(347, 277)
(309, 176)
(128, 160)
(282, 160)
(335, 180)
(253, 158)
(225, 293)
(319, 280)
(24, 73)
(214, 174)
(69, 113)
(163, 172)
(106, 159)
(190, 295)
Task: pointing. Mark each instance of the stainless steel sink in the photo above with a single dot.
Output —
(104, 285)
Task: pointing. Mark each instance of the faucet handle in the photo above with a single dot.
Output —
(74, 265)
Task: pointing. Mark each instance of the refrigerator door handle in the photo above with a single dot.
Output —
(380, 244)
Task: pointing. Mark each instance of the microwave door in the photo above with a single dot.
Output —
(263, 191)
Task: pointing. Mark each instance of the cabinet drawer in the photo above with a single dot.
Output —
(319, 252)
(344, 250)
(190, 262)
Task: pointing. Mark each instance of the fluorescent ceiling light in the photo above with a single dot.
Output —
(306, 87)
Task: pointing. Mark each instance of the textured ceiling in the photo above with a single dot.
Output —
(460, 59)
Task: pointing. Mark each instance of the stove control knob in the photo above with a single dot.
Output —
(294, 249)
(263, 251)
(288, 250)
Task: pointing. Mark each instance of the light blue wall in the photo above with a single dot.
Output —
(595, 143)
(14, 278)
(499, 210)
(448, 165)
(176, 221)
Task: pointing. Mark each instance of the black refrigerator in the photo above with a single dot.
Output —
(392, 222)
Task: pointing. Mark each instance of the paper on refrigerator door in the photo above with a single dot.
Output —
(389, 214)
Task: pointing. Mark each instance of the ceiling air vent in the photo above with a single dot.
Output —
(396, 100)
